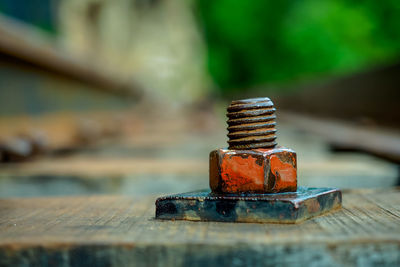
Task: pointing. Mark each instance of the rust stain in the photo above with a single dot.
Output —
(286, 173)
(313, 206)
(241, 174)
(214, 170)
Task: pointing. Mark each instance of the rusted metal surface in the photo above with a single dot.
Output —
(253, 180)
(291, 207)
(253, 171)
(251, 124)
(252, 163)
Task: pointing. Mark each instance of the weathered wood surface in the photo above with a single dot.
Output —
(122, 231)
(368, 96)
(380, 142)
(144, 160)
(29, 46)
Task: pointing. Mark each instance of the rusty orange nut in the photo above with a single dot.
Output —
(270, 170)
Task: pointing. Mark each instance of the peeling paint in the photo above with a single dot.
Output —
(285, 173)
(253, 171)
(240, 174)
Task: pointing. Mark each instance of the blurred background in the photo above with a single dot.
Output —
(129, 96)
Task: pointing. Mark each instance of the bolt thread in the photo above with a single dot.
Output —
(251, 124)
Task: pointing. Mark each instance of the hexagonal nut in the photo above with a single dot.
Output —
(253, 171)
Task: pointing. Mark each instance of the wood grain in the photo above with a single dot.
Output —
(380, 142)
(122, 231)
(31, 46)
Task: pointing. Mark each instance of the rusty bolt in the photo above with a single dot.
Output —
(253, 163)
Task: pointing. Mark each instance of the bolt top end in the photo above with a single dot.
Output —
(251, 124)
(251, 100)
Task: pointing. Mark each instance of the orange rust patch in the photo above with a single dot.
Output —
(241, 174)
(286, 173)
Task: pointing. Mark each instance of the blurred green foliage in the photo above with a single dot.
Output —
(40, 13)
(264, 41)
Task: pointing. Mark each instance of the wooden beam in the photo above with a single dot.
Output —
(370, 95)
(25, 45)
(122, 231)
(377, 141)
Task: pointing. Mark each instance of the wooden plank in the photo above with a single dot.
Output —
(373, 140)
(30, 46)
(122, 231)
(145, 160)
(365, 96)
(89, 167)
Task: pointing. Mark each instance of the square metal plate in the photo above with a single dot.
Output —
(291, 207)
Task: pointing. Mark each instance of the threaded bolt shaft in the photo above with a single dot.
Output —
(251, 124)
